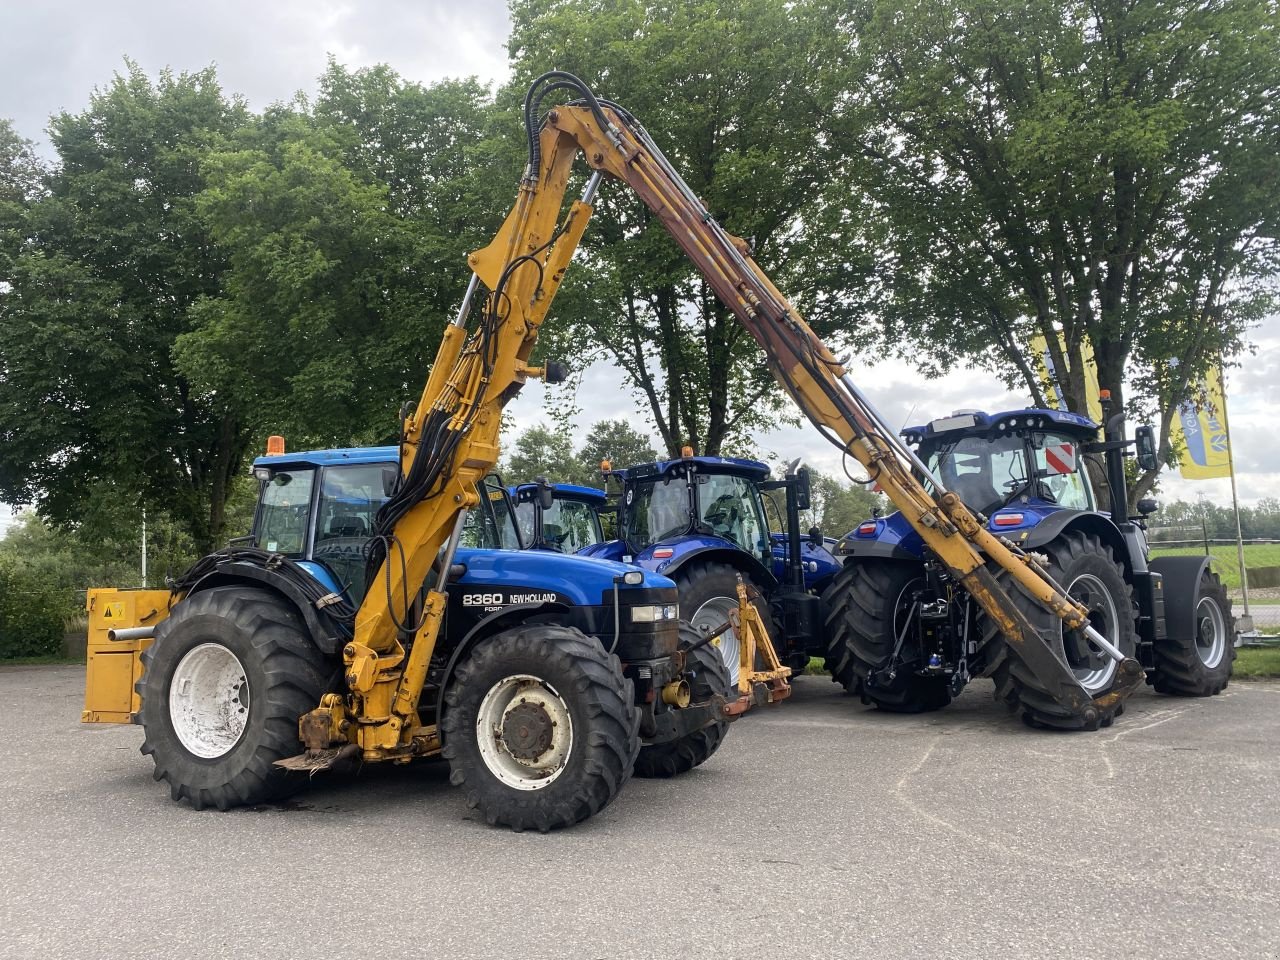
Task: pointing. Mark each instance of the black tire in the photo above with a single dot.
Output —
(708, 677)
(284, 676)
(1197, 657)
(865, 606)
(1089, 572)
(706, 589)
(584, 683)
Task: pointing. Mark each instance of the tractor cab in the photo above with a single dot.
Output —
(1017, 468)
(319, 507)
(563, 517)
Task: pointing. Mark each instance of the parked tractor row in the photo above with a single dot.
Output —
(399, 603)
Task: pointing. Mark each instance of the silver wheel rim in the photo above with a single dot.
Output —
(1097, 671)
(710, 617)
(209, 701)
(1211, 632)
(508, 711)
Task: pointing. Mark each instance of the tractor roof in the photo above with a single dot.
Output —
(329, 458)
(977, 423)
(734, 466)
(562, 491)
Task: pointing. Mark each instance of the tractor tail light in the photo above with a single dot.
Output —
(662, 553)
(867, 529)
(1007, 519)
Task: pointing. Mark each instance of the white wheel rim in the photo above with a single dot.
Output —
(1211, 632)
(209, 701)
(1096, 679)
(524, 732)
(710, 617)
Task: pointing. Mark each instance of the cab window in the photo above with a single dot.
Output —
(730, 507)
(570, 525)
(284, 507)
(1061, 473)
(350, 496)
(657, 510)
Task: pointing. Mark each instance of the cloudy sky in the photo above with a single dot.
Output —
(53, 53)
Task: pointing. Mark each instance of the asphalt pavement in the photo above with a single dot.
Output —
(821, 829)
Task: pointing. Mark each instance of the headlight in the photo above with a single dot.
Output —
(655, 612)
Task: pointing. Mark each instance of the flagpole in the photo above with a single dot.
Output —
(1235, 500)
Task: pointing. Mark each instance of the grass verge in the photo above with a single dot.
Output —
(1257, 663)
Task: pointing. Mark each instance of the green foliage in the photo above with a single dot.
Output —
(348, 225)
(1107, 170)
(114, 256)
(738, 96)
(619, 443)
(32, 612)
(543, 451)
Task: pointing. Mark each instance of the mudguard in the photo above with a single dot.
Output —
(1181, 582)
(1059, 522)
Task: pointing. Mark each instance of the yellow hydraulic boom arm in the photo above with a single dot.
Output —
(451, 440)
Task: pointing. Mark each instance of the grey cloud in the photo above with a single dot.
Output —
(53, 54)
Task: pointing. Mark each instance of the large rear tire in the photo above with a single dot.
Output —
(540, 728)
(229, 674)
(1089, 572)
(867, 608)
(1195, 658)
(707, 675)
(708, 591)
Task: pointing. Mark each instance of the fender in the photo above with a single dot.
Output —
(1059, 522)
(327, 634)
(851, 550)
(499, 619)
(746, 562)
(1181, 583)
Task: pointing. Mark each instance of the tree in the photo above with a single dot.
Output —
(738, 96)
(21, 182)
(618, 442)
(115, 255)
(543, 451)
(1105, 170)
(347, 229)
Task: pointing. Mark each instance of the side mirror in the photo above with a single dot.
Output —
(1145, 439)
(815, 536)
(390, 480)
(1147, 506)
(546, 495)
(801, 488)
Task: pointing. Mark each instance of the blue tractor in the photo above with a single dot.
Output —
(563, 517)
(702, 522)
(904, 637)
(316, 511)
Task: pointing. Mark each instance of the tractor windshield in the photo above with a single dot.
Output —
(350, 496)
(284, 506)
(730, 507)
(567, 526)
(656, 510)
(982, 472)
(989, 472)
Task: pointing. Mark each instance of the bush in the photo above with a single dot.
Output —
(32, 612)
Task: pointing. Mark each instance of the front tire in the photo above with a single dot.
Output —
(868, 606)
(708, 592)
(707, 675)
(1195, 658)
(1090, 574)
(229, 674)
(540, 728)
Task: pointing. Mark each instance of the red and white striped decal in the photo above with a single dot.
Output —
(1060, 457)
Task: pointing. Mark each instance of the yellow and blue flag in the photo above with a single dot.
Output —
(1199, 431)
